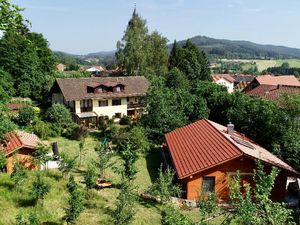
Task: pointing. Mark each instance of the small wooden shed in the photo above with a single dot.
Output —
(205, 155)
(18, 146)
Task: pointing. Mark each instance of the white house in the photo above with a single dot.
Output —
(225, 80)
(93, 97)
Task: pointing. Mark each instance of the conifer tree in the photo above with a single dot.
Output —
(39, 189)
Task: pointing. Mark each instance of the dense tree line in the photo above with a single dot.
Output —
(284, 69)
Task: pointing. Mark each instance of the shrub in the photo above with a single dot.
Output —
(59, 115)
(2, 161)
(90, 176)
(138, 139)
(125, 120)
(172, 216)
(42, 129)
(25, 116)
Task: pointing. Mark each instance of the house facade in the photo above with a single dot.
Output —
(19, 146)
(94, 97)
(224, 80)
(205, 156)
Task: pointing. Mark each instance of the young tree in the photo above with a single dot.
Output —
(81, 150)
(66, 164)
(39, 189)
(129, 156)
(90, 176)
(104, 156)
(18, 175)
(40, 155)
(59, 115)
(125, 210)
(75, 202)
(262, 210)
(163, 187)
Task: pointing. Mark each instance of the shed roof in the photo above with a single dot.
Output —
(205, 144)
(18, 139)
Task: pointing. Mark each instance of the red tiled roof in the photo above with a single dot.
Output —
(198, 146)
(273, 92)
(205, 144)
(276, 80)
(18, 139)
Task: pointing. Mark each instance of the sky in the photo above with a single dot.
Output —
(85, 26)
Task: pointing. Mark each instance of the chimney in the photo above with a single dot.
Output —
(230, 129)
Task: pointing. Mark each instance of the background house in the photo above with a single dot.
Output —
(112, 97)
(19, 146)
(225, 80)
(270, 81)
(205, 155)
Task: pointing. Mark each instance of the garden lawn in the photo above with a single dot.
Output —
(100, 204)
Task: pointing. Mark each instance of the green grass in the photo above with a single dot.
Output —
(101, 203)
(291, 62)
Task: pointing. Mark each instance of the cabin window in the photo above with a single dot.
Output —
(208, 184)
(116, 102)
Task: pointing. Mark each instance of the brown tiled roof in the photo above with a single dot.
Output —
(205, 144)
(276, 80)
(18, 139)
(76, 88)
(273, 92)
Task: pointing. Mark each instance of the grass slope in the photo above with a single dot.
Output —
(100, 205)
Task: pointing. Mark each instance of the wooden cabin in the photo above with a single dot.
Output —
(19, 146)
(205, 155)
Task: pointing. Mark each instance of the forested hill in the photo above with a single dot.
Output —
(222, 48)
(215, 48)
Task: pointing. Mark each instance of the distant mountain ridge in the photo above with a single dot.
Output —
(217, 48)
(222, 48)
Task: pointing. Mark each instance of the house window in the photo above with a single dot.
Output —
(208, 184)
(100, 90)
(118, 89)
(86, 105)
(116, 102)
(103, 103)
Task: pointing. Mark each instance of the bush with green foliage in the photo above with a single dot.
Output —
(40, 155)
(172, 216)
(25, 116)
(125, 120)
(3, 161)
(129, 156)
(163, 187)
(42, 129)
(29, 219)
(59, 115)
